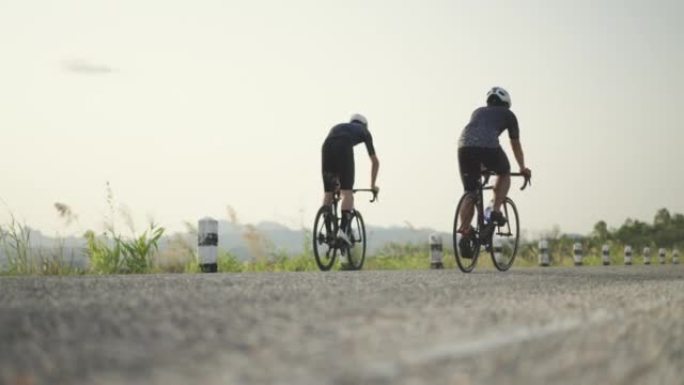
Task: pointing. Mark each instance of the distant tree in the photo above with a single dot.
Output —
(635, 233)
(662, 218)
(601, 232)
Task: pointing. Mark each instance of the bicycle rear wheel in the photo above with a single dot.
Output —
(324, 243)
(466, 249)
(357, 235)
(505, 238)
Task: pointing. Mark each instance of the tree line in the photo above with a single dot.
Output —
(667, 230)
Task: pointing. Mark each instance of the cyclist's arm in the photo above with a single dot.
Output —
(519, 154)
(375, 166)
(375, 163)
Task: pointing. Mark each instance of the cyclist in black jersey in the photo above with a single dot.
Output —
(479, 148)
(338, 165)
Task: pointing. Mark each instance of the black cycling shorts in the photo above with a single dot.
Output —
(338, 162)
(471, 160)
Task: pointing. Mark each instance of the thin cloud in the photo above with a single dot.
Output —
(83, 67)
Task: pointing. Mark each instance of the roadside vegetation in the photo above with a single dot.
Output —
(131, 252)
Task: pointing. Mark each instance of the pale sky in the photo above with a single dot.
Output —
(186, 107)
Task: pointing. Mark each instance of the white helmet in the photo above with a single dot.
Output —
(501, 94)
(359, 118)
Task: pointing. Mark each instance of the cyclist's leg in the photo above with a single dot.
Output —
(469, 166)
(501, 187)
(467, 212)
(497, 161)
(328, 171)
(346, 181)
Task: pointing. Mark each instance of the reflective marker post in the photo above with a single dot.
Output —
(605, 255)
(207, 245)
(647, 255)
(498, 250)
(436, 251)
(662, 255)
(544, 259)
(628, 255)
(577, 253)
(675, 257)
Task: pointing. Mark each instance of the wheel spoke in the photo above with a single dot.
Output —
(356, 253)
(467, 247)
(324, 250)
(505, 244)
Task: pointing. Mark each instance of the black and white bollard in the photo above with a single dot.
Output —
(577, 253)
(647, 255)
(436, 251)
(207, 245)
(662, 256)
(544, 259)
(628, 255)
(605, 255)
(675, 257)
(498, 251)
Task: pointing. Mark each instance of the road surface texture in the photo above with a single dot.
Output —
(602, 325)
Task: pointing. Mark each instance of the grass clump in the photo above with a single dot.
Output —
(23, 258)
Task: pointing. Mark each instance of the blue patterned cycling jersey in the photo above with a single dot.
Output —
(485, 126)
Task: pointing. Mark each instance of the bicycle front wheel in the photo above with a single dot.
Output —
(505, 238)
(324, 245)
(357, 236)
(466, 247)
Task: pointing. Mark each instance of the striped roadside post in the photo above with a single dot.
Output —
(605, 255)
(498, 250)
(628, 255)
(544, 259)
(577, 253)
(675, 257)
(207, 245)
(436, 251)
(647, 255)
(662, 255)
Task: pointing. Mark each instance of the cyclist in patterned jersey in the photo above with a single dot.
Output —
(338, 163)
(479, 148)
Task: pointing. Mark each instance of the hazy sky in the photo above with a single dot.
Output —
(186, 107)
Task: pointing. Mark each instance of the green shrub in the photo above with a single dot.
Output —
(111, 254)
(137, 252)
(16, 243)
(229, 263)
(105, 254)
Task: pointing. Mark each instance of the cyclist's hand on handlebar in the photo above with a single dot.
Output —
(527, 172)
(376, 191)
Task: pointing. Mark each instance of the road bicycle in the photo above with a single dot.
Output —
(500, 241)
(327, 246)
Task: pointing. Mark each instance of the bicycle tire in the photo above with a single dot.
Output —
(507, 237)
(325, 256)
(466, 264)
(356, 254)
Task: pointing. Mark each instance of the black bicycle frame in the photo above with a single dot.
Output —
(483, 185)
(336, 198)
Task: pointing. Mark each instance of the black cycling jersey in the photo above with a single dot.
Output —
(338, 154)
(354, 131)
(479, 144)
(485, 126)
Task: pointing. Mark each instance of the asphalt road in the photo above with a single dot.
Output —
(607, 325)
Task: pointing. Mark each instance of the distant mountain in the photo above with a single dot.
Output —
(244, 240)
(281, 238)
